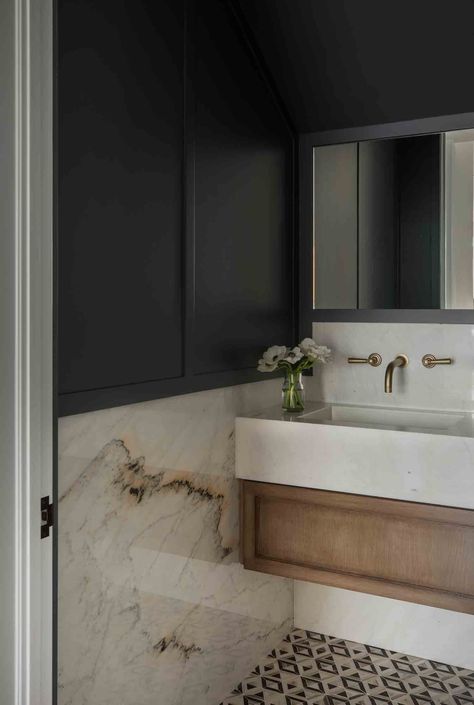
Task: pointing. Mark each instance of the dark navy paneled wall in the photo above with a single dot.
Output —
(175, 202)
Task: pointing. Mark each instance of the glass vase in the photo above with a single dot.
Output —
(292, 393)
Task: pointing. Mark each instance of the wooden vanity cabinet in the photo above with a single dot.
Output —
(415, 552)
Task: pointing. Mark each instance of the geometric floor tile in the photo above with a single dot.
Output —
(308, 668)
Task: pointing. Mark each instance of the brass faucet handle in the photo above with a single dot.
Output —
(374, 359)
(430, 361)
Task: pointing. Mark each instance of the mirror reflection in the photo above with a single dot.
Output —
(394, 223)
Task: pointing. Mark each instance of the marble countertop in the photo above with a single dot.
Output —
(415, 464)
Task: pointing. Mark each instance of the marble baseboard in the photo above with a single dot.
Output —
(153, 604)
(431, 633)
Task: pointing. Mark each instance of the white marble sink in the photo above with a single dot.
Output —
(414, 420)
(410, 454)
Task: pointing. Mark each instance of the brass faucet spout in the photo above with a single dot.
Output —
(399, 361)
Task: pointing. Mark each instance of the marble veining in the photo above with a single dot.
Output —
(153, 604)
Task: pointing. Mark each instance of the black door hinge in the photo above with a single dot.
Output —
(47, 517)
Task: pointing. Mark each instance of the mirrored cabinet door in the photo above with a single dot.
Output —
(335, 226)
(393, 223)
(459, 219)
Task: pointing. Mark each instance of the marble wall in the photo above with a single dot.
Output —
(154, 607)
(443, 387)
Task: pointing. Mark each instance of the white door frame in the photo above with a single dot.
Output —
(26, 350)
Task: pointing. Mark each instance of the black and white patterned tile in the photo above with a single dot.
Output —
(309, 668)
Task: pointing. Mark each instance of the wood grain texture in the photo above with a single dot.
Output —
(415, 552)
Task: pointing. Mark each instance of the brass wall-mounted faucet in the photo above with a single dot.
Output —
(399, 361)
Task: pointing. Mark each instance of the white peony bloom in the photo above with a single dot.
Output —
(294, 356)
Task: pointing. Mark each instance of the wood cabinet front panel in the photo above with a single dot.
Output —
(416, 552)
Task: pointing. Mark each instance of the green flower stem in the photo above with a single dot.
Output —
(304, 364)
(292, 394)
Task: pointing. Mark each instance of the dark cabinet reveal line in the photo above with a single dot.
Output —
(175, 202)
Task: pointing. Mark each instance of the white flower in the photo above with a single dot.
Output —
(314, 352)
(265, 366)
(271, 358)
(323, 354)
(294, 355)
(274, 354)
(307, 345)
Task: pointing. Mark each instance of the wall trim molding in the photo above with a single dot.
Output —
(33, 313)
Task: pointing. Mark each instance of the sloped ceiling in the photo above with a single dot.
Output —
(343, 63)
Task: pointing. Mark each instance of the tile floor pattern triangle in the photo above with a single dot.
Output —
(309, 668)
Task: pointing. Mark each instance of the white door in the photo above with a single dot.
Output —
(26, 390)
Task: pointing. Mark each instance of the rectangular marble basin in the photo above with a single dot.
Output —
(390, 418)
(410, 454)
